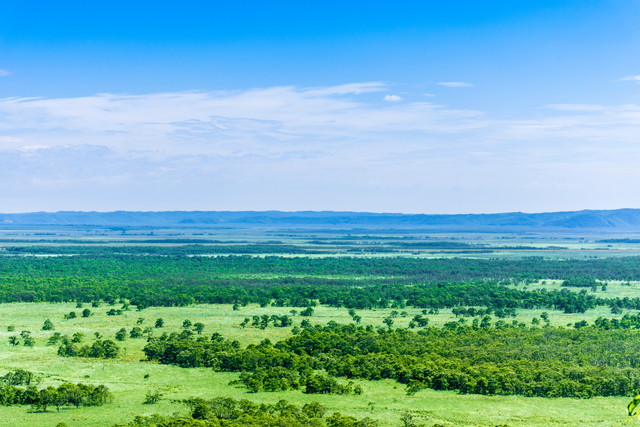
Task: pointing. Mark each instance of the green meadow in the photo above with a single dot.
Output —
(130, 378)
(123, 265)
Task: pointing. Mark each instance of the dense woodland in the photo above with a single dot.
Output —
(481, 358)
(342, 282)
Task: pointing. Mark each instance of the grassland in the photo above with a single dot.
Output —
(125, 376)
(383, 400)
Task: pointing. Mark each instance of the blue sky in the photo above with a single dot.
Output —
(406, 106)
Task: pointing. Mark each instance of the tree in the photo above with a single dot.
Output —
(307, 312)
(54, 338)
(106, 349)
(46, 396)
(186, 324)
(48, 325)
(121, 334)
(407, 420)
(198, 327)
(152, 397)
(314, 410)
(159, 323)
(86, 312)
(388, 321)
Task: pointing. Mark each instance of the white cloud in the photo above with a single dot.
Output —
(4, 73)
(222, 122)
(392, 98)
(631, 78)
(350, 88)
(575, 107)
(455, 84)
(334, 147)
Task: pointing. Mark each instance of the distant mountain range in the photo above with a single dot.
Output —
(619, 218)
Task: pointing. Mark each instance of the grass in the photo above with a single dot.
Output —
(125, 376)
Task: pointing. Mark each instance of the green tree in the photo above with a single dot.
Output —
(47, 325)
(388, 321)
(121, 335)
(152, 397)
(198, 327)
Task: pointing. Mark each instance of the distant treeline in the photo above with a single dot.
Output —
(178, 250)
(298, 281)
(179, 247)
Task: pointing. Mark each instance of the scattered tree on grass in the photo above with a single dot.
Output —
(47, 325)
(121, 335)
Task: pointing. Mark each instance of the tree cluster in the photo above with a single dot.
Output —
(227, 412)
(67, 394)
(102, 349)
(512, 359)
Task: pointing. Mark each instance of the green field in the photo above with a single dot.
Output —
(383, 400)
(118, 266)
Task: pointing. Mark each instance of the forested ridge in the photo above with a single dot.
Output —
(618, 218)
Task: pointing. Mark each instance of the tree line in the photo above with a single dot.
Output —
(359, 283)
(228, 412)
(67, 394)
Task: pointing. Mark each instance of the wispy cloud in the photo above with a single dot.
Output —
(4, 73)
(455, 84)
(304, 148)
(392, 98)
(631, 78)
(187, 122)
(575, 107)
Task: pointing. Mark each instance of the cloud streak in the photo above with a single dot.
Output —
(455, 84)
(631, 78)
(4, 73)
